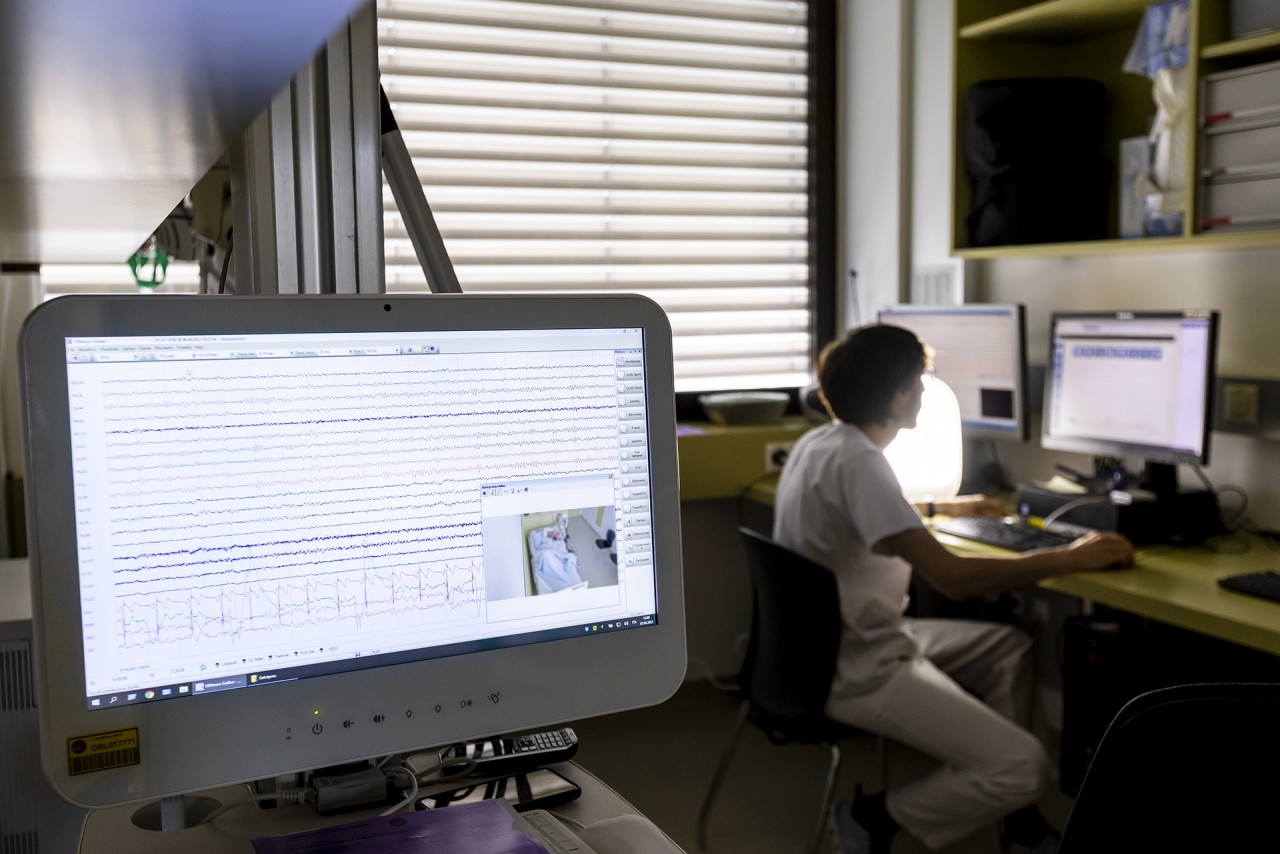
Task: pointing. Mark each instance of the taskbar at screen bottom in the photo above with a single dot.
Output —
(270, 676)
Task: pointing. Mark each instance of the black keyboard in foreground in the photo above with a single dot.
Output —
(1265, 584)
(1013, 536)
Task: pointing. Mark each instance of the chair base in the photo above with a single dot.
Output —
(828, 788)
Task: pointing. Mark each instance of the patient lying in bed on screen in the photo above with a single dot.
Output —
(554, 566)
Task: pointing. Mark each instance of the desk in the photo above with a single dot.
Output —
(1173, 585)
(1178, 586)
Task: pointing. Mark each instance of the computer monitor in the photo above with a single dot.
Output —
(1132, 384)
(980, 351)
(272, 534)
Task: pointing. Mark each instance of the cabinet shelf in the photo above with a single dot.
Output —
(1058, 20)
(1008, 39)
(1134, 246)
(1263, 44)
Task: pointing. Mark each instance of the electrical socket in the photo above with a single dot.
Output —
(1240, 403)
(775, 454)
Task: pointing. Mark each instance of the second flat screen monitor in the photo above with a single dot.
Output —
(979, 350)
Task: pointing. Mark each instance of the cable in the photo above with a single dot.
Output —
(1237, 516)
(226, 265)
(712, 679)
(289, 796)
(1204, 478)
(1071, 505)
(413, 793)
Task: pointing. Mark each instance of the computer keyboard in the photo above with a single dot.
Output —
(1004, 534)
(1265, 584)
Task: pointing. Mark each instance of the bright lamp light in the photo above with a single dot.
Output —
(929, 459)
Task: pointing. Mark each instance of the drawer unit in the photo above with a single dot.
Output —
(1226, 150)
(1242, 204)
(1252, 92)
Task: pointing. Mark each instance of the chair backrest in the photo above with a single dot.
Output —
(795, 635)
(1187, 768)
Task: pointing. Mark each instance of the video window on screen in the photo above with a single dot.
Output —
(549, 540)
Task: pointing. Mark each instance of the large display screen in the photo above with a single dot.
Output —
(1131, 383)
(298, 530)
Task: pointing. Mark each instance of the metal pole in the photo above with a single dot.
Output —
(397, 166)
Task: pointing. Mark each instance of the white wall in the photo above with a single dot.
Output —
(875, 139)
(1243, 283)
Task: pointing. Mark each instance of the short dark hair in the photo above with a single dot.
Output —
(858, 375)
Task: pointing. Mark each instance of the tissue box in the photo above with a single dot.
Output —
(1135, 164)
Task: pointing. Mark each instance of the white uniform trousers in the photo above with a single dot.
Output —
(989, 764)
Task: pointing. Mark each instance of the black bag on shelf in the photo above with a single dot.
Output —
(1036, 162)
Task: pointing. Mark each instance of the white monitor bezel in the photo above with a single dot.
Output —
(193, 743)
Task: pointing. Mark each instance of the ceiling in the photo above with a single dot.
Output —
(111, 111)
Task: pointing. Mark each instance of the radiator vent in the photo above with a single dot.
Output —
(17, 688)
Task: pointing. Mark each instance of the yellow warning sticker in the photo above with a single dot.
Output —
(102, 751)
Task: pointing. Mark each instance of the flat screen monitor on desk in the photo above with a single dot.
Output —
(1132, 384)
(980, 351)
(273, 534)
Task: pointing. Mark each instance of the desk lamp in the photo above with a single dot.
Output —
(929, 459)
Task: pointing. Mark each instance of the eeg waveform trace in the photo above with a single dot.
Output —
(238, 503)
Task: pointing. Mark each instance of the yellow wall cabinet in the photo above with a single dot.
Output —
(1231, 164)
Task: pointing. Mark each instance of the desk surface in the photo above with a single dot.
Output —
(1174, 585)
(1179, 586)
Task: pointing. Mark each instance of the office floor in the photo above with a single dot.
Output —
(661, 760)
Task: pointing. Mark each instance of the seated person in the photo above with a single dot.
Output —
(952, 689)
(554, 566)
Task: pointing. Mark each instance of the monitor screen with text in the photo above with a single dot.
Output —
(1131, 383)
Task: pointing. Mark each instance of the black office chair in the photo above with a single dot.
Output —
(1188, 768)
(790, 659)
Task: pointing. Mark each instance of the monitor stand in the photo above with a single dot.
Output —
(1161, 479)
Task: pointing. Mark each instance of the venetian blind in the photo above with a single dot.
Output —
(651, 146)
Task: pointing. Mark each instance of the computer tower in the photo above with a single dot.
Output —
(1102, 670)
(33, 819)
(1182, 519)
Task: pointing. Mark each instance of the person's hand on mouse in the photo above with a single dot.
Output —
(1102, 550)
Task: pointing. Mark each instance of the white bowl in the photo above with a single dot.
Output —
(745, 407)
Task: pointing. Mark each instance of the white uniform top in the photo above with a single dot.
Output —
(837, 497)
